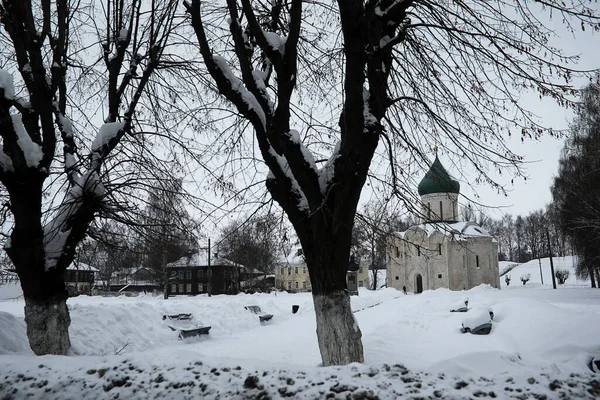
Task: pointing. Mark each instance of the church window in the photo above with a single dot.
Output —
(289, 270)
(490, 260)
(428, 210)
(296, 284)
(282, 271)
(440, 276)
(295, 270)
(397, 251)
(419, 251)
(304, 269)
(440, 249)
(464, 261)
(360, 283)
(477, 261)
(441, 211)
(397, 278)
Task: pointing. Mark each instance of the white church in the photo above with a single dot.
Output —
(442, 252)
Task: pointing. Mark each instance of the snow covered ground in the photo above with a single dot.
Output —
(540, 345)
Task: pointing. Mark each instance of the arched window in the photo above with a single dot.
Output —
(477, 261)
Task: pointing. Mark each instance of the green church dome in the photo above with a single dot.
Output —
(438, 180)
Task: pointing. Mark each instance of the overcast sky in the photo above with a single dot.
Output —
(542, 156)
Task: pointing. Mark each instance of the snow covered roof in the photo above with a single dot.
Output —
(460, 230)
(200, 259)
(296, 257)
(82, 267)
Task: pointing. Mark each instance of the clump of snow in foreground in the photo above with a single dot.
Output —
(540, 344)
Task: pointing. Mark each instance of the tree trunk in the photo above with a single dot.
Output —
(337, 330)
(44, 291)
(593, 277)
(327, 257)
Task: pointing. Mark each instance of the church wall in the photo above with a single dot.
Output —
(431, 207)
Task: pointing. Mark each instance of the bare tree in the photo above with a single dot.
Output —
(43, 42)
(395, 71)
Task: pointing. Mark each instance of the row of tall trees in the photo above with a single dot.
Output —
(576, 189)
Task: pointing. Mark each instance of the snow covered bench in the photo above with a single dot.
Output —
(462, 306)
(479, 322)
(182, 323)
(262, 317)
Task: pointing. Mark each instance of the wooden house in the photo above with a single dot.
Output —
(80, 278)
(196, 274)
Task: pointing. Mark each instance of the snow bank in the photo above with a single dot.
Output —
(13, 339)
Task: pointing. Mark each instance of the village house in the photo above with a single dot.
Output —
(292, 274)
(441, 252)
(196, 274)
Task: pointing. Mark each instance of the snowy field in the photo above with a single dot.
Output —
(541, 343)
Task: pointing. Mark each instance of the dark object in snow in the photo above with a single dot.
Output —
(461, 308)
(263, 317)
(295, 308)
(594, 365)
(179, 317)
(480, 323)
(186, 328)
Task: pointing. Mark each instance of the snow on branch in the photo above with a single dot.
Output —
(32, 152)
(238, 86)
(7, 88)
(57, 231)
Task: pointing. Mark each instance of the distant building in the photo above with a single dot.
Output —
(292, 274)
(136, 279)
(191, 275)
(80, 278)
(442, 252)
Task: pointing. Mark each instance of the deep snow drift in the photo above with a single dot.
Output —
(541, 343)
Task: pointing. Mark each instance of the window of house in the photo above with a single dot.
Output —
(360, 283)
(289, 270)
(360, 270)
(181, 288)
(490, 260)
(180, 275)
(189, 288)
(282, 271)
(173, 288)
(296, 284)
(303, 284)
(295, 270)
(188, 275)
(200, 273)
(477, 261)
(440, 276)
(303, 270)
(289, 285)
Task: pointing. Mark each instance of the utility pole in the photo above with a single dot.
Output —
(541, 275)
(551, 263)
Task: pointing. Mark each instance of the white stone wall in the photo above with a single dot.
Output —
(432, 211)
(455, 268)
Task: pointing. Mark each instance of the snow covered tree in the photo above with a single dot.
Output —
(403, 74)
(525, 278)
(44, 59)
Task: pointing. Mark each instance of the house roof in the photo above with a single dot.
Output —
(82, 267)
(200, 259)
(438, 180)
(460, 230)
